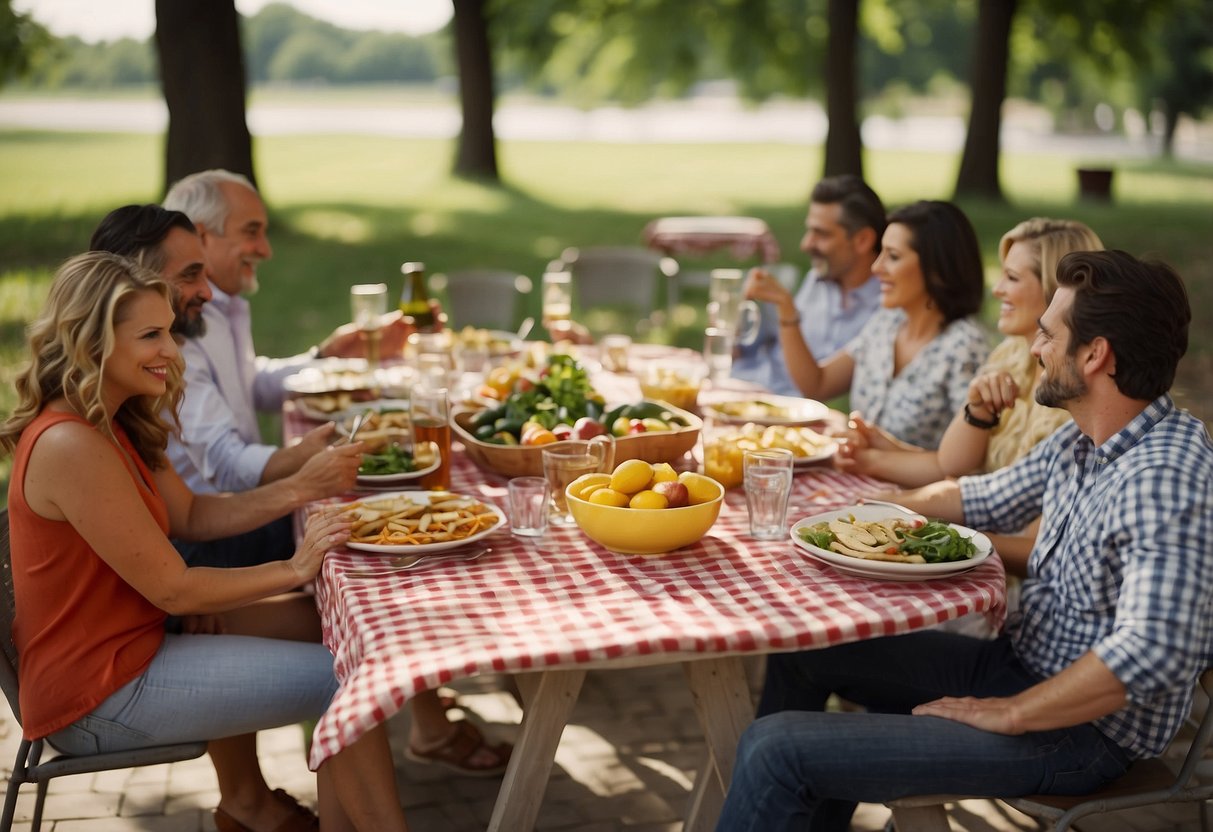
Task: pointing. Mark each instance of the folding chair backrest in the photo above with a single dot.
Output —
(485, 297)
(8, 667)
(614, 275)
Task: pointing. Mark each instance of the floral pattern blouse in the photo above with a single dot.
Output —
(917, 404)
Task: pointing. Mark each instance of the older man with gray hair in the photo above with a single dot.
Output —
(220, 447)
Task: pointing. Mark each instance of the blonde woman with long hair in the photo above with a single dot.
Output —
(1001, 420)
(92, 501)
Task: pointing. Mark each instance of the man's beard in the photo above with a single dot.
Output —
(1056, 391)
(188, 327)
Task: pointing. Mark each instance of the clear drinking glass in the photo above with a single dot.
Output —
(528, 506)
(614, 351)
(768, 484)
(718, 352)
(728, 308)
(568, 460)
(430, 415)
(557, 297)
(368, 305)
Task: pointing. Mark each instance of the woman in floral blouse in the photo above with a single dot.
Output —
(909, 369)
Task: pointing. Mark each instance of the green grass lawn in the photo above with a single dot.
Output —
(350, 209)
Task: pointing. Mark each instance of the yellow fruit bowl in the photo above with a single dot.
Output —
(637, 531)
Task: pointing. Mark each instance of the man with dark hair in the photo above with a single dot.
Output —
(167, 243)
(843, 227)
(1097, 667)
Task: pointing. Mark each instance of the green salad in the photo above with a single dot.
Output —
(894, 539)
(393, 459)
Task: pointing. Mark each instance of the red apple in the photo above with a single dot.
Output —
(563, 431)
(674, 492)
(587, 428)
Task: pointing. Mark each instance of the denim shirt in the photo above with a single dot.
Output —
(1123, 564)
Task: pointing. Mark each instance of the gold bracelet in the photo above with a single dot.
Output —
(793, 322)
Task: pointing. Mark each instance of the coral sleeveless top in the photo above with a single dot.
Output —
(81, 631)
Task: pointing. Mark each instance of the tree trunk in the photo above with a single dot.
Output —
(202, 73)
(1171, 123)
(477, 153)
(988, 87)
(844, 147)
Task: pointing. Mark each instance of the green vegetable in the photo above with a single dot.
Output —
(821, 538)
(391, 460)
(937, 542)
(561, 396)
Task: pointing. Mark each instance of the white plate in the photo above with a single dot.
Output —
(882, 570)
(305, 406)
(402, 476)
(820, 456)
(345, 418)
(799, 411)
(421, 548)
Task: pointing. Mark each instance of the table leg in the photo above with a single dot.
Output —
(548, 706)
(707, 799)
(722, 700)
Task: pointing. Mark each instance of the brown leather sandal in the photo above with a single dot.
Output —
(457, 751)
(301, 818)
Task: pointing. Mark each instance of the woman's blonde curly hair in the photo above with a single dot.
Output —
(69, 343)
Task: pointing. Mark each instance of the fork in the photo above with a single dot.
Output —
(867, 502)
(404, 563)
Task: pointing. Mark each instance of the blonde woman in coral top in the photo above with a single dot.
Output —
(92, 502)
(1001, 420)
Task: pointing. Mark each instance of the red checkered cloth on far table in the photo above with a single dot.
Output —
(566, 601)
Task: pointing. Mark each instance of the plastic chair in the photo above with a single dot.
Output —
(28, 767)
(485, 298)
(622, 276)
(1146, 783)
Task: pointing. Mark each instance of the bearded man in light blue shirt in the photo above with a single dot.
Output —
(845, 222)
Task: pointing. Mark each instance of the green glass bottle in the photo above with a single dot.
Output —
(414, 299)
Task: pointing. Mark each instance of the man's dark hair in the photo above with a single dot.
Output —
(948, 254)
(860, 207)
(1140, 307)
(137, 231)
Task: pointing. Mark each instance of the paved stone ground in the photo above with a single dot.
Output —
(625, 764)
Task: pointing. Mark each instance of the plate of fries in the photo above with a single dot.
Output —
(870, 541)
(420, 521)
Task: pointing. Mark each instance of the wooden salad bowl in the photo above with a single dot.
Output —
(527, 460)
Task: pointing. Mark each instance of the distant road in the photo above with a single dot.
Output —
(699, 120)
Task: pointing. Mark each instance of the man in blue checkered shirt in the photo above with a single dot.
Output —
(1097, 667)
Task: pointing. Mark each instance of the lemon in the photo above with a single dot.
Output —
(664, 472)
(583, 486)
(631, 476)
(700, 489)
(648, 499)
(608, 497)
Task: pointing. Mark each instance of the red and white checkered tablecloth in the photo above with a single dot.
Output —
(744, 237)
(563, 601)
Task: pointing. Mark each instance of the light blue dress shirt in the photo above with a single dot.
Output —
(829, 320)
(226, 383)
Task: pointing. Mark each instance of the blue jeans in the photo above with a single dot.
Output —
(798, 768)
(206, 687)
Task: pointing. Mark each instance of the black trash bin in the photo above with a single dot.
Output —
(1095, 184)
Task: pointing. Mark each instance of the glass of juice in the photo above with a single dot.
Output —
(430, 415)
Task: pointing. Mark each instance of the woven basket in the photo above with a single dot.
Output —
(527, 461)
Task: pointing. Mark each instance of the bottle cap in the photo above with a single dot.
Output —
(409, 268)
